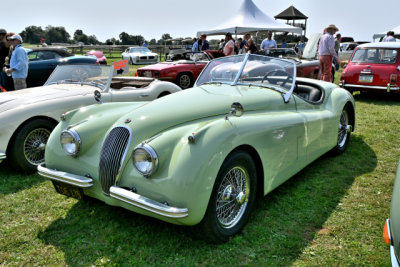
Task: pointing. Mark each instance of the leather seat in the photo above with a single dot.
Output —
(308, 93)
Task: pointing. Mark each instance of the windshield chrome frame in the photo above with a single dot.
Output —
(110, 76)
(286, 94)
(106, 85)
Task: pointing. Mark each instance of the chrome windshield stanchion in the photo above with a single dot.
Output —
(241, 69)
(287, 95)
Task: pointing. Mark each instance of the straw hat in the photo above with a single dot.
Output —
(332, 26)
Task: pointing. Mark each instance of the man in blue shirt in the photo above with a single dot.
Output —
(205, 45)
(19, 63)
(268, 43)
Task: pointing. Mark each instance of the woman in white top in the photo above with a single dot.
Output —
(229, 48)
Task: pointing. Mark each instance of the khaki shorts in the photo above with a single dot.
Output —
(19, 84)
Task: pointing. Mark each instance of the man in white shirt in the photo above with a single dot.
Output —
(389, 37)
(326, 53)
(268, 43)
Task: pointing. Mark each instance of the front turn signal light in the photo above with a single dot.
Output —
(386, 233)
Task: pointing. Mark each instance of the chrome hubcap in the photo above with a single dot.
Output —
(184, 81)
(344, 128)
(35, 145)
(232, 197)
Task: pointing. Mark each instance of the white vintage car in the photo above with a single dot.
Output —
(140, 55)
(28, 116)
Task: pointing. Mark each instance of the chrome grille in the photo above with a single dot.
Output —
(112, 155)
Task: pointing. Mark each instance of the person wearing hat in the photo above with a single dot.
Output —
(326, 53)
(42, 42)
(229, 48)
(19, 63)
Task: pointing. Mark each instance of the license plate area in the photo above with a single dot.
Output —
(68, 190)
(366, 78)
(147, 73)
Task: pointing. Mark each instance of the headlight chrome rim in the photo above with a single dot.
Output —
(152, 155)
(76, 141)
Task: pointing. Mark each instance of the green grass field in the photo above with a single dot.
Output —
(329, 214)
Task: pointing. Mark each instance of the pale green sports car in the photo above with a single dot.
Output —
(201, 156)
(391, 230)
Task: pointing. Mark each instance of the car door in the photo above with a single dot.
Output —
(321, 128)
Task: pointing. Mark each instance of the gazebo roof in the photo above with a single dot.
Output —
(291, 13)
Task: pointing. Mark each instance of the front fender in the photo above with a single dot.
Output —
(186, 171)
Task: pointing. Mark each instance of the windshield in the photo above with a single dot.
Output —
(139, 50)
(91, 74)
(251, 69)
(375, 55)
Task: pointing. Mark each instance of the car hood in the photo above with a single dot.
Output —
(142, 54)
(14, 99)
(311, 48)
(197, 103)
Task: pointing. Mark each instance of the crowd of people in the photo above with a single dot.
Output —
(13, 61)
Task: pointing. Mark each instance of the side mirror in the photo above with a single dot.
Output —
(97, 96)
(237, 109)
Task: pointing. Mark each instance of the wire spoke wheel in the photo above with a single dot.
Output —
(35, 144)
(232, 197)
(343, 128)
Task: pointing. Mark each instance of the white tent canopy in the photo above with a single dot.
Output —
(379, 35)
(249, 18)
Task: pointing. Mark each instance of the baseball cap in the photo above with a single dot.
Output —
(3, 31)
(15, 37)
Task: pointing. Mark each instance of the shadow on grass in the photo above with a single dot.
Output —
(12, 181)
(281, 226)
(385, 99)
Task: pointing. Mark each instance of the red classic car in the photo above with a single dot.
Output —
(373, 67)
(183, 72)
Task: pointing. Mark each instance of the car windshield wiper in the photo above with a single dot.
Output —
(275, 88)
(96, 84)
(64, 81)
(211, 83)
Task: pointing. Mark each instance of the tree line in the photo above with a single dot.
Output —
(58, 34)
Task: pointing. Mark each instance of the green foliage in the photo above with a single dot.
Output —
(33, 34)
(329, 214)
(57, 34)
(127, 39)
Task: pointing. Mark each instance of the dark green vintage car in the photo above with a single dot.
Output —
(201, 156)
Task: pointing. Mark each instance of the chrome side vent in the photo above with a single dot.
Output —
(112, 156)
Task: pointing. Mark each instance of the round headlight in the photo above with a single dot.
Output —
(70, 142)
(145, 159)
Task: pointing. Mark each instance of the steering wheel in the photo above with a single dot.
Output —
(276, 72)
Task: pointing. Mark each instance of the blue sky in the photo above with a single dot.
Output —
(151, 18)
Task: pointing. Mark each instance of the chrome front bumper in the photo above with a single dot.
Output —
(72, 179)
(2, 156)
(393, 258)
(116, 192)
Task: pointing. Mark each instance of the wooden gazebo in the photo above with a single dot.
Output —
(291, 14)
